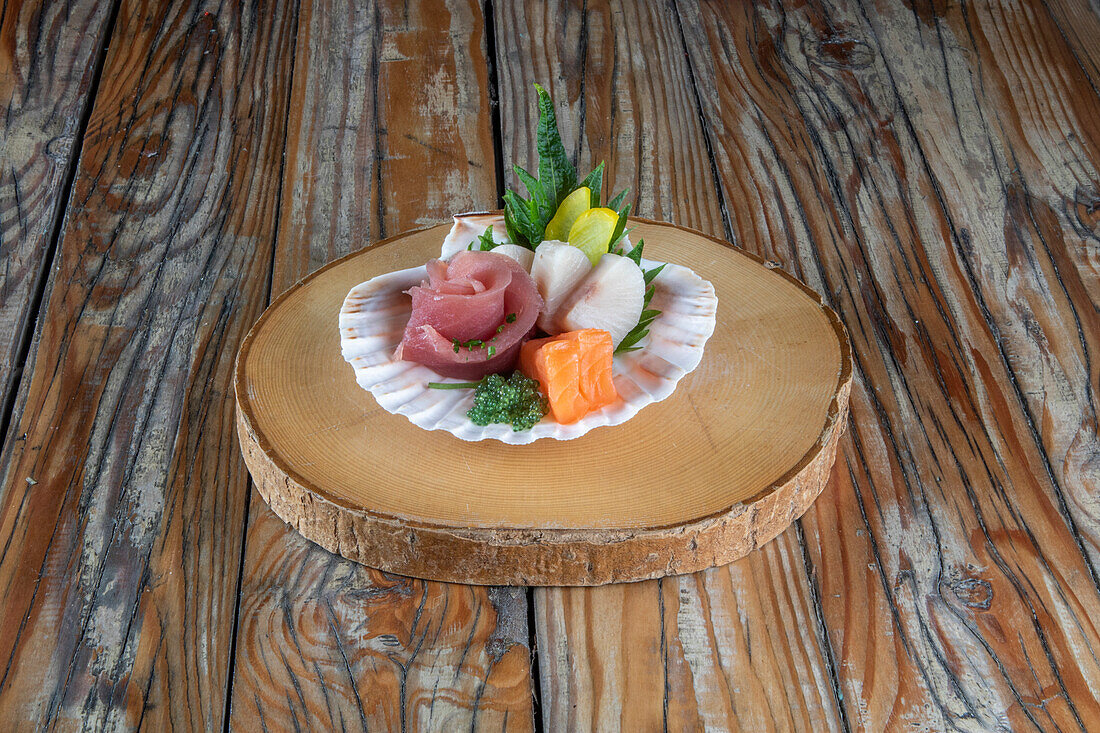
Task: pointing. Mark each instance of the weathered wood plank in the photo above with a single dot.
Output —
(47, 63)
(1026, 233)
(123, 495)
(326, 644)
(1076, 23)
(393, 133)
(732, 648)
(865, 148)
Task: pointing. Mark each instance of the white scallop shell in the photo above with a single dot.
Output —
(373, 318)
(468, 227)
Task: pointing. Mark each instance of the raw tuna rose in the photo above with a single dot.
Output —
(477, 296)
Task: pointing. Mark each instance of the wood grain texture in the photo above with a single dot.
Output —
(725, 483)
(390, 130)
(47, 62)
(879, 152)
(327, 644)
(707, 651)
(618, 76)
(930, 167)
(123, 494)
(1033, 260)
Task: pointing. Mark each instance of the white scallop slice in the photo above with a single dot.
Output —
(610, 297)
(557, 267)
(520, 254)
(372, 321)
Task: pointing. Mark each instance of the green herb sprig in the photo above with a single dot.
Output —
(641, 330)
(526, 218)
(484, 241)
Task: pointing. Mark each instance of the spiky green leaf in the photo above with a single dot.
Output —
(521, 219)
(650, 274)
(557, 175)
(616, 202)
(620, 226)
(486, 240)
(594, 182)
(540, 204)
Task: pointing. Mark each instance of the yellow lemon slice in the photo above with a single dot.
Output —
(591, 232)
(573, 206)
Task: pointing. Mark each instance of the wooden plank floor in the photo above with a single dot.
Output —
(933, 169)
(358, 648)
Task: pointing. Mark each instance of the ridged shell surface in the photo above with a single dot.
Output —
(468, 228)
(373, 318)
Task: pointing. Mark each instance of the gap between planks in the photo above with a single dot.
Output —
(236, 622)
(37, 294)
(822, 630)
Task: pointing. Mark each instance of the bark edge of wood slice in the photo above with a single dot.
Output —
(737, 453)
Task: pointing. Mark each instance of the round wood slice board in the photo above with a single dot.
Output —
(738, 452)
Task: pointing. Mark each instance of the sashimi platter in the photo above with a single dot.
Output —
(557, 393)
(593, 343)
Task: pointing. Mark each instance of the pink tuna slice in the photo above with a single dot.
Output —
(470, 298)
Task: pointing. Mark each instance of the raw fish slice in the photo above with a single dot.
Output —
(557, 268)
(559, 373)
(440, 282)
(370, 330)
(441, 324)
(463, 299)
(520, 254)
(596, 363)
